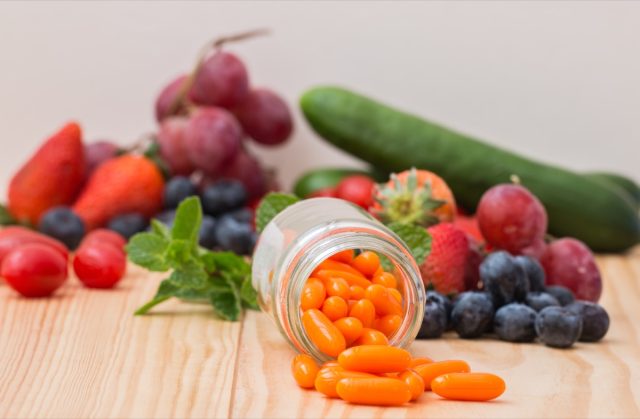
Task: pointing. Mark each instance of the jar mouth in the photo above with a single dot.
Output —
(324, 241)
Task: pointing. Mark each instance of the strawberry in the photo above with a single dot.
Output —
(121, 185)
(53, 176)
(444, 268)
(414, 197)
(469, 224)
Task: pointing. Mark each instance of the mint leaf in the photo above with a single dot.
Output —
(417, 239)
(5, 217)
(160, 229)
(190, 275)
(187, 221)
(270, 206)
(179, 253)
(166, 290)
(226, 302)
(148, 250)
(248, 294)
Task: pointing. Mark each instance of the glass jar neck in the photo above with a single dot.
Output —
(322, 241)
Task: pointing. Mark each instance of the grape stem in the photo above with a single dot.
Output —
(205, 51)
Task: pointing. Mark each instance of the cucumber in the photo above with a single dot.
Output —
(622, 183)
(393, 140)
(316, 179)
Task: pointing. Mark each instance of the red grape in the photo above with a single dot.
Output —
(511, 218)
(99, 265)
(103, 235)
(357, 189)
(97, 153)
(221, 81)
(265, 117)
(247, 169)
(535, 250)
(166, 98)
(329, 192)
(213, 138)
(570, 263)
(173, 147)
(34, 270)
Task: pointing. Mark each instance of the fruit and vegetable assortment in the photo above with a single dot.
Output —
(69, 189)
(350, 306)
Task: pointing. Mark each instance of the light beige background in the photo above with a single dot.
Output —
(557, 81)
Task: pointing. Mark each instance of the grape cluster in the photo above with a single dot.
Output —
(205, 117)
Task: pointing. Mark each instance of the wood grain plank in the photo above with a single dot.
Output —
(590, 380)
(83, 354)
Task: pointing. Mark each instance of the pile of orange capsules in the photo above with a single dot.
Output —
(350, 307)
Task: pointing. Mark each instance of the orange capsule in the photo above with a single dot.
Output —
(335, 308)
(382, 300)
(346, 256)
(332, 265)
(386, 280)
(395, 294)
(313, 294)
(367, 263)
(429, 372)
(372, 337)
(375, 391)
(351, 303)
(351, 279)
(365, 311)
(375, 359)
(357, 293)
(327, 379)
(414, 381)
(304, 370)
(472, 386)
(332, 363)
(324, 334)
(338, 287)
(350, 327)
(388, 324)
(378, 271)
(419, 361)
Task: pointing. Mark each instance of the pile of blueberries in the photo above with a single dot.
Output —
(515, 305)
(227, 223)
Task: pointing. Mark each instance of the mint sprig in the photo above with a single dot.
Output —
(221, 278)
(272, 204)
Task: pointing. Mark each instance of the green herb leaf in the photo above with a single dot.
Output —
(166, 290)
(160, 229)
(417, 239)
(187, 221)
(227, 303)
(270, 206)
(249, 295)
(148, 250)
(5, 217)
(190, 275)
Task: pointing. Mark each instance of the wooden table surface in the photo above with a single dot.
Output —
(83, 354)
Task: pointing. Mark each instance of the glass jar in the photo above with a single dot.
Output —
(307, 233)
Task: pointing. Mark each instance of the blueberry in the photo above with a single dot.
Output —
(558, 327)
(243, 215)
(233, 235)
(63, 224)
(533, 270)
(562, 294)
(223, 196)
(207, 233)
(539, 300)
(176, 190)
(128, 224)
(515, 322)
(595, 320)
(442, 300)
(503, 278)
(472, 314)
(434, 322)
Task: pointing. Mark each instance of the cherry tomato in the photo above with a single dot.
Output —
(357, 189)
(34, 270)
(99, 265)
(13, 237)
(323, 193)
(103, 235)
